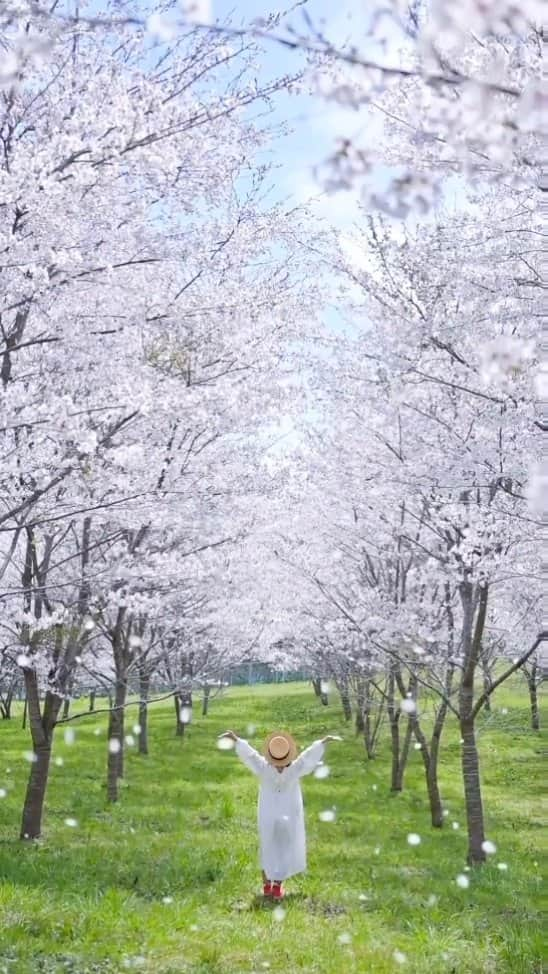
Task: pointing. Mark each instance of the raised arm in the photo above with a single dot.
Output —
(250, 757)
(309, 759)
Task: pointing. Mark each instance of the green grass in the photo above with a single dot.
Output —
(91, 899)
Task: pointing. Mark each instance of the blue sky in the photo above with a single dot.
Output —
(315, 124)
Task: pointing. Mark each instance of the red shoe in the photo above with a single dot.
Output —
(267, 889)
(278, 891)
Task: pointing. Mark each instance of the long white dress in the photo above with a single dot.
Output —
(280, 809)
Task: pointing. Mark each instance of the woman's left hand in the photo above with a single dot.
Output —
(331, 737)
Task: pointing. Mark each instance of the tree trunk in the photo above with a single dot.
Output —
(397, 780)
(532, 683)
(115, 762)
(41, 728)
(470, 758)
(66, 707)
(371, 723)
(430, 761)
(344, 694)
(184, 703)
(25, 710)
(394, 719)
(6, 702)
(487, 688)
(144, 687)
(179, 727)
(472, 793)
(360, 707)
(31, 823)
(92, 695)
(205, 701)
(320, 691)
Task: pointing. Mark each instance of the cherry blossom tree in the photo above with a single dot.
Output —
(161, 330)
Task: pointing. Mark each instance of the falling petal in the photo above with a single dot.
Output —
(414, 839)
(136, 729)
(502, 866)
(30, 756)
(59, 762)
(167, 899)
(69, 736)
(399, 957)
(345, 938)
(72, 823)
(225, 743)
(489, 847)
(327, 816)
(322, 771)
(408, 706)
(462, 881)
(130, 740)
(278, 914)
(456, 826)
(114, 745)
(3, 793)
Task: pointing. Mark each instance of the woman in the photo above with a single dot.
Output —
(280, 810)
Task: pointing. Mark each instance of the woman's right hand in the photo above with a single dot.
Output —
(231, 735)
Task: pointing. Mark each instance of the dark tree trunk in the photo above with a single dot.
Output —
(397, 780)
(66, 707)
(467, 716)
(92, 695)
(533, 698)
(472, 793)
(344, 694)
(400, 751)
(487, 682)
(144, 687)
(372, 723)
(205, 701)
(179, 726)
(42, 725)
(320, 692)
(184, 703)
(115, 762)
(6, 701)
(360, 707)
(31, 823)
(430, 761)
(25, 711)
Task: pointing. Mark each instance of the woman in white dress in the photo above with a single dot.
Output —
(280, 809)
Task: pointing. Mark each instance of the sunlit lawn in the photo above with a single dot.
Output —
(167, 881)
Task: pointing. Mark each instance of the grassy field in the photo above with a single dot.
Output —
(167, 881)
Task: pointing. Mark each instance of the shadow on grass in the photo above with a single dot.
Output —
(310, 904)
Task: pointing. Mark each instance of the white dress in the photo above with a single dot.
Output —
(280, 810)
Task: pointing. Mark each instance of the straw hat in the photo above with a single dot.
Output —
(280, 749)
